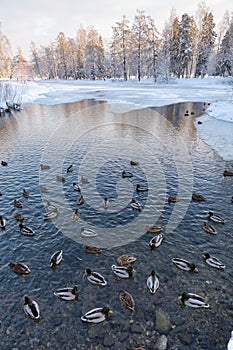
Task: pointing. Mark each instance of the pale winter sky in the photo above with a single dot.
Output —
(23, 21)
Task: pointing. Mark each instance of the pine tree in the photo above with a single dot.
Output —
(5, 56)
(224, 65)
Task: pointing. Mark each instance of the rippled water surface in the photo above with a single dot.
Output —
(100, 141)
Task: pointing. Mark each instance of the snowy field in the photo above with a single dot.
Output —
(217, 123)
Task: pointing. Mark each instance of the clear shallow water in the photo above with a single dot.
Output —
(100, 144)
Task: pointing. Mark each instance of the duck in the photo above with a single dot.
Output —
(70, 169)
(31, 309)
(156, 241)
(135, 205)
(87, 232)
(230, 342)
(173, 199)
(84, 180)
(25, 193)
(3, 222)
(153, 229)
(43, 189)
(209, 228)
(123, 271)
(44, 167)
(76, 187)
(26, 230)
(184, 265)
(92, 250)
(193, 300)
(17, 203)
(60, 178)
(4, 163)
(94, 277)
(134, 162)
(228, 173)
(76, 215)
(20, 268)
(126, 174)
(105, 203)
(126, 300)
(96, 315)
(51, 214)
(125, 260)
(18, 216)
(56, 258)
(232, 199)
(216, 218)
(198, 197)
(152, 282)
(213, 261)
(68, 293)
(80, 200)
(50, 206)
(140, 188)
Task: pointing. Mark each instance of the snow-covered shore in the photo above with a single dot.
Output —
(217, 123)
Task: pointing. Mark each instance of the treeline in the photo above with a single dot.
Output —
(187, 47)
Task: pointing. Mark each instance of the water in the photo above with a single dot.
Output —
(100, 142)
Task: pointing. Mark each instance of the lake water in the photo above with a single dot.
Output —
(100, 140)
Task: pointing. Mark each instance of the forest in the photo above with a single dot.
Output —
(187, 47)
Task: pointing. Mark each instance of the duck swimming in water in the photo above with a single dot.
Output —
(96, 315)
(3, 222)
(135, 205)
(184, 265)
(198, 197)
(68, 293)
(126, 174)
(94, 277)
(17, 203)
(20, 268)
(152, 282)
(209, 228)
(123, 271)
(76, 187)
(213, 261)
(56, 259)
(80, 200)
(25, 193)
(125, 260)
(26, 230)
(193, 300)
(70, 169)
(31, 309)
(140, 188)
(105, 203)
(126, 300)
(156, 241)
(216, 218)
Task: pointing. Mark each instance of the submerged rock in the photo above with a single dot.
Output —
(163, 323)
(108, 340)
(161, 343)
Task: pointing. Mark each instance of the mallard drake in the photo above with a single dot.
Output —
(80, 200)
(123, 271)
(153, 229)
(125, 260)
(156, 241)
(184, 265)
(68, 293)
(3, 222)
(18, 216)
(126, 174)
(76, 215)
(152, 282)
(20, 268)
(134, 162)
(51, 214)
(105, 203)
(173, 199)
(140, 188)
(76, 187)
(216, 218)
(126, 300)
(31, 309)
(25, 193)
(51, 207)
(87, 232)
(56, 258)
(213, 261)
(60, 178)
(84, 180)
(26, 230)
(94, 277)
(96, 315)
(228, 173)
(230, 342)
(92, 250)
(193, 300)
(44, 167)
(43, 189)
(198, 197)
(4, 163)
(135, 205)
(208, 228)
(17, 203)
(70, 169)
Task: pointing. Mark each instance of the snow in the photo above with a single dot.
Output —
(217, 122)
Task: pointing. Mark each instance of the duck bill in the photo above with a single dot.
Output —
(180, 297)
(110, 311)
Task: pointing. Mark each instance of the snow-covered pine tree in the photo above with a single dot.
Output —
(224, 65)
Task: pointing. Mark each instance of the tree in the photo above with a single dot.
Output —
(20, 68)
(62, 55)
(5, 56)
(224, 64)
(206, 43)
(35, 60)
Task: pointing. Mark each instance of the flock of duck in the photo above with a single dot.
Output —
(124, 268)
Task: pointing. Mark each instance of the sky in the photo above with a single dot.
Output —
(41, 21)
